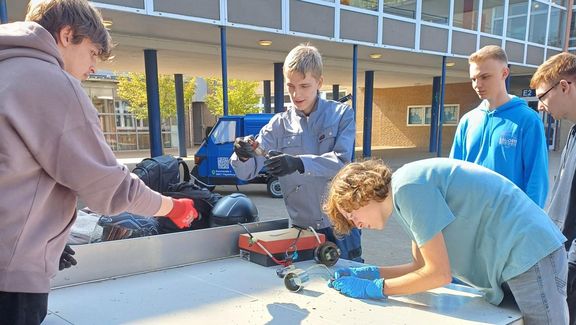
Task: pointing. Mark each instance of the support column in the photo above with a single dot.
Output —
(3, 12)
(354, 89)
(441, 106)
(354, 77)
(223, 46)
(267, 97)
(179, 87)
(278, 88)
(433, 147)
(335, 92)
(368, 95)
(154, 128)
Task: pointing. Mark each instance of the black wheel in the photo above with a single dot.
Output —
(273, 188)
(327, 253)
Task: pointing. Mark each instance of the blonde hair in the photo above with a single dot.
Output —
(560, 66)
(353, 187)
(488, 52)
(304, 59)
(83, 19)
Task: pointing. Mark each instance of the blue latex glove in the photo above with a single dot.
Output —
(359, 288)
(365, 272)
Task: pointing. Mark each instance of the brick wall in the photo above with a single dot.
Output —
(389, 111)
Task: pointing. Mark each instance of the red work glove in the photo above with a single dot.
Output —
(183, 212)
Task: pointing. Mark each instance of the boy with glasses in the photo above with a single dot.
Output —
(556, 94)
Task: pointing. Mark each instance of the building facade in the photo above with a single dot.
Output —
(401, 41)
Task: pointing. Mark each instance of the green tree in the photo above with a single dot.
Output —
(132, 89)
(242, 97)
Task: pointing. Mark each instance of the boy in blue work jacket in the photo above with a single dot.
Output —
(464, 221)
(502, 133)
(307, 145)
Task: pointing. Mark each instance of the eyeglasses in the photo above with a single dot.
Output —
(541, 97)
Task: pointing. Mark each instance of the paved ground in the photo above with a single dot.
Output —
(390, 246)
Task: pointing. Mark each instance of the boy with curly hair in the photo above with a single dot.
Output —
(465, 221)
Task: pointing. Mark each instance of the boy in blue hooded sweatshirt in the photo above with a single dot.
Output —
(502, 133)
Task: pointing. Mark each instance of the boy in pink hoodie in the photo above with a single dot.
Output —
(53, 151)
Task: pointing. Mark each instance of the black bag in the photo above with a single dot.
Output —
(127, 225)
(204, 201)
(160, 172)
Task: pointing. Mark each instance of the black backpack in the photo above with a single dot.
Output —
(204, 201)
(160, 172)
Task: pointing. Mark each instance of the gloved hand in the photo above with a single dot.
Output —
(359, 288)
(244, 147)
(365, 272)
(182, 213)
(281, 164)
(66, 259)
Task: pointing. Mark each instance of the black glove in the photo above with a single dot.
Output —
(281, 164)
(66, 259)
(243, 147)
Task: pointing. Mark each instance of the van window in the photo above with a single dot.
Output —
(224, 132)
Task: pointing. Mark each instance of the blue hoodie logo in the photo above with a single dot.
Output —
(508, 140)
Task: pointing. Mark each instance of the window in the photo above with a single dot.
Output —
(556, 27)
(422, 115)
(436, 11)
(517, 17)
(364, 4)
(404, 8)
(492, 17)
(538, 22)
(224, 132)
(466, 14)
(123, 117)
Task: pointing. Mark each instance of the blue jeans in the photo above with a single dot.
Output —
(350, 245)
(540, 292)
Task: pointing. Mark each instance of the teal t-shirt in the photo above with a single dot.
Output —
(493, 231)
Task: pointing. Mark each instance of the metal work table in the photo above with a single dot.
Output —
(230, 290)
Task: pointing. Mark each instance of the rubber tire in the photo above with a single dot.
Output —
(273, 188)
(327, 253)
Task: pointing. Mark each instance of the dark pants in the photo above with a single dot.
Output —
(17, 308)
(350, 245)
(571, 293)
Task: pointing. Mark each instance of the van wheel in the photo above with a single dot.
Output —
(273, 188)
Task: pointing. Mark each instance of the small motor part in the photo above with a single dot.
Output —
(295, 279)
(281, 272)
(258, 151)
(327, 253)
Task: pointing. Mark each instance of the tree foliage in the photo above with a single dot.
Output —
(242, 97)
(132, 89)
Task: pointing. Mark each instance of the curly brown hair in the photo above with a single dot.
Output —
(353, 187)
